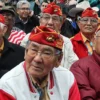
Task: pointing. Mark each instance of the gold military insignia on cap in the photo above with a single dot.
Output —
(50, 38)
(55, 10)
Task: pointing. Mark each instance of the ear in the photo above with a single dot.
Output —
(58, 60)
(5, 29)
(26, 50)
(17, 10)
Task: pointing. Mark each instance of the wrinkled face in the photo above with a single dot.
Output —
(40, 59)
(9, 18)
(44, 4)
(88, 25)
(23, 11)
(51, 21)
(97, 43)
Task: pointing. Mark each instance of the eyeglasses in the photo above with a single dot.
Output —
(45, 54)
(24, 8)
(47, 17)
(86, 19)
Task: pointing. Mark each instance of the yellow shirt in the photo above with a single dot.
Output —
(1, 48)
(88, 44)
(43, 86)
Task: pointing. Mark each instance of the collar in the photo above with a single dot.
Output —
(42, 85)
(84, 38)
(23, 21)
(50, 79)
(78, 37)
(2, 46)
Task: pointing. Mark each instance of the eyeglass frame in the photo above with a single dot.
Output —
(36, 52)
(84, 20)
(54, 20)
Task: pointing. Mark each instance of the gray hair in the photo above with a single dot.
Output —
(20, 3)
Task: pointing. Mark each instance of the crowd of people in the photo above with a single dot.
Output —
(49, 50)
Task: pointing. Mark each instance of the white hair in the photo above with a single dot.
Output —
(20, 3)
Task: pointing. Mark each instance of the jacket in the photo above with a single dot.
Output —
(29, 25)
(61, 85)
(78, 46)
(12, 55)
(87, 74)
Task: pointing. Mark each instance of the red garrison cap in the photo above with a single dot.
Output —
(47, 36)
(52, 8)
(89, 12)
(2, 19)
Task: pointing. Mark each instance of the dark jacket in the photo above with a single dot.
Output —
(12, 55)
(68, 30)
(87, 74)
(32, 22)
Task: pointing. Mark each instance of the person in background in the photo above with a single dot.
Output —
(25, 20)
(13, 34)
(87, 71)
(42, 78)
(82, 41)
(51, 17)
(10, 54)
(2, 4)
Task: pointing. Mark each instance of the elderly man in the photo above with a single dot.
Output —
(52, 17)
(87, 73)
(10, 54)
(82, 42)
(25, 20)
(39, 77)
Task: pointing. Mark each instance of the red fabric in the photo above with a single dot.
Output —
(79, 46)
(74, 92)
(87, 74)
(2, 19)
(47, 36)
(52, 8)
(89, 12)
(5, 96)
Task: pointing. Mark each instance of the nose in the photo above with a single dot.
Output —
(50, 21)
(89, 21)
(38, 58)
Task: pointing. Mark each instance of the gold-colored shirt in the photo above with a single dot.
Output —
(42, 86)
(1, 48)
(87, 43)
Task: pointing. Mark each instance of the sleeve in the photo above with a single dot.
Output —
(69, 57)
(74, 92)
(83, 83)
(5, 96)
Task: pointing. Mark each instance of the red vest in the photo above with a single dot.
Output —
(79, 47)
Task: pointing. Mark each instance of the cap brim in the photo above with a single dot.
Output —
(74, 11)
(7, 10)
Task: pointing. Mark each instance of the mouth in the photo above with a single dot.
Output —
(37, 68)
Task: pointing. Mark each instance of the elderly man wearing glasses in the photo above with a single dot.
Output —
(83, 41)
(87, 73)
(39, 77)
(52, 17)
